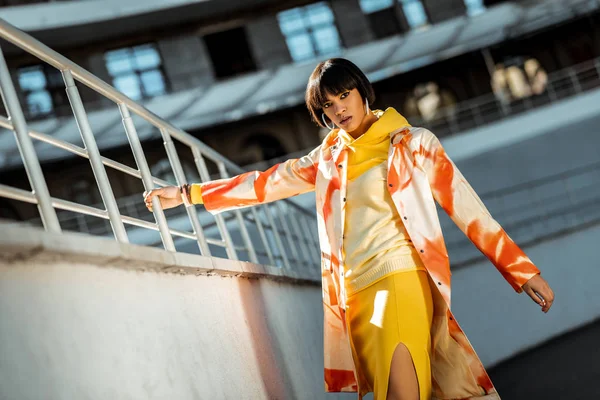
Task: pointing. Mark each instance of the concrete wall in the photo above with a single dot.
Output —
(83, 317)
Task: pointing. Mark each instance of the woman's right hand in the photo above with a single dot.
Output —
(169, 197)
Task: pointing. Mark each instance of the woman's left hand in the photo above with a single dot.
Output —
(538, 289)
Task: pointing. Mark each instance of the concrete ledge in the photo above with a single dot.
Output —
(19, 242)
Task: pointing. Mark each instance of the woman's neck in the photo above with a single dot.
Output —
(364, 126)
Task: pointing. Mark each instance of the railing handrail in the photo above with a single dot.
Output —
(266, 227)
(45, 53)
(31, 45)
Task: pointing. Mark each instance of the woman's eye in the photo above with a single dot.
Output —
(344, 95)
(326, 105)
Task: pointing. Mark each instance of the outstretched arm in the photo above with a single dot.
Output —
(287, 179)
(456, 196)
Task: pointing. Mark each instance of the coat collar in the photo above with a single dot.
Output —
(390, 120)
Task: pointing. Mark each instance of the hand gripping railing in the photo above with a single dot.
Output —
(297, 225)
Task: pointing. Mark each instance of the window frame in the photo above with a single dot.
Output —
(138, 72)
(310, 29)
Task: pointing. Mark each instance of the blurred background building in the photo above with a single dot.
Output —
(511, 87)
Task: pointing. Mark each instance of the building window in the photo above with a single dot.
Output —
(371, 6)
(43, 90)
(310, 31)
(382, 17)
(415, 13)
(237, 59)
(137, 71)
(474, 7)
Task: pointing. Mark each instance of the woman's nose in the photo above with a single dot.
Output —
(339, 109)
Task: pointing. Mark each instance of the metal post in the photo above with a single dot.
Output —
(477, 115)
(140, 160)
(180, 176)
(240, 219)
(287, 231)
(308, 237)
(275, 231)
(263, 235)
(489, 62)
(204, 175)
(295, 220)
(28, 155)
(574, 80)
(106, 192)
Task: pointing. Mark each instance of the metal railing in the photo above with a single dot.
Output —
(489, 108)
(276, 234)
(534, 211)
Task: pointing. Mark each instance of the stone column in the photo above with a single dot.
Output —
(441, 10)
(351, 22)
(267, 43)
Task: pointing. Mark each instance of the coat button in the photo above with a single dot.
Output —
(440, 283)
(422, 251)
(391, 185)
(339, 165)
(344, 199)
(405, 218)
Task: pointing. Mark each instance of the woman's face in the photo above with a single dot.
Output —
(346, 109)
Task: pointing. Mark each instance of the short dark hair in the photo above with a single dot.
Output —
(334, 76)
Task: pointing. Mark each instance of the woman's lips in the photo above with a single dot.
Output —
(345, 121)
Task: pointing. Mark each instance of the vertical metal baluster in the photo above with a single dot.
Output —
(295, 221)
(27, 150)
(263, 235)
(205, 177)
(240, 219)
(286, 228)
(140, 160)
(315, 238)
(275, 231)
(180, 177)
(551, 92)
(80, 223)
(477, 115)
(575, 81)
(106, 192)
(308, 237)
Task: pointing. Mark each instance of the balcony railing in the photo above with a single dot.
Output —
(527, 220)
(489, 108)
(279, 234)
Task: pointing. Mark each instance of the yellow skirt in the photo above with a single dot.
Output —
(396, 309)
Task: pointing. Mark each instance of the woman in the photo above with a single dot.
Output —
(385, 269)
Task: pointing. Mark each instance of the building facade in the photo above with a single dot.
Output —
(234, 76)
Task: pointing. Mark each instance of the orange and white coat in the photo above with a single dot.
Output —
(419, 172)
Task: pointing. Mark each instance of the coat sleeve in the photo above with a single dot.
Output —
(286, 179)
(458, 199)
